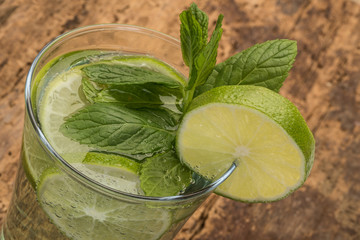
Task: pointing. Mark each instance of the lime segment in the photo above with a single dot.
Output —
(82, 213)
(235, 124)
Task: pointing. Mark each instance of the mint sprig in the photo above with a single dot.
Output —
(148, 132)
(198, 54)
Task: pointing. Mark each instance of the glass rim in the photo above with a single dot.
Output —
(70, 170)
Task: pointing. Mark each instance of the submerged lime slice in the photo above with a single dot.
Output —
(112, 170)
(112, 160)
(61, 98)
(83, 213)
(151, 63)
(256, 128)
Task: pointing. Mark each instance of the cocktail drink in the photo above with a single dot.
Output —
(58, 195)
(119, 144)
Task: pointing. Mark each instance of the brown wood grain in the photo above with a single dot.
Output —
(324, 84)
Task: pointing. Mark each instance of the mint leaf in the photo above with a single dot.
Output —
(164, 175)
(199, 55)
(203, 19)
(89, 90)
(266, 64)
(133, 96)
(197, 183)
(115, 128)
(118, 74)
(193, 33)
(206, 59)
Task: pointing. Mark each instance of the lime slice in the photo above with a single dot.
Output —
(54, 67)
(259, 130)
(82, 213)
(151, 63)
(112, 170)
(61, 98)
(35, 159)
(112, 160)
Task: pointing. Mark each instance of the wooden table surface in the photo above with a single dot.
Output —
(324, 84)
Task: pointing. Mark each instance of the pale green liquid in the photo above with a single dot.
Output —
(27, 220)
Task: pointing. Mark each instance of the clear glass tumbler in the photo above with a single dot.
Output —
(116, 214)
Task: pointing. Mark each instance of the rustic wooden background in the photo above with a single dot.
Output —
(324, 84)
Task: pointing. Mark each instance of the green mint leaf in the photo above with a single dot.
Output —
(203, 63)
(139, 96)
(118, 74)
(266, 64)
(134, 96)
(203, 19)
(164, 175)
(197, 183)
(112, 127)
(206, 59)
(193, 33)
(89, 90)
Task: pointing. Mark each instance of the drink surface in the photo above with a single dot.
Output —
(109, 113)
(61, 205)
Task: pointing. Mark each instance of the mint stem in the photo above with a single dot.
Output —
(189, 94)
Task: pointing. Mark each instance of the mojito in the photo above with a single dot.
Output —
(119, 144)
(67, 189)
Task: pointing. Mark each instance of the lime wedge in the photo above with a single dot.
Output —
(259, 130)
(82, 213)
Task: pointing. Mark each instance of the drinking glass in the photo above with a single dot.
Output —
(116, 214)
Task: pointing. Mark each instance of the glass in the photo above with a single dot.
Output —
(131, 216)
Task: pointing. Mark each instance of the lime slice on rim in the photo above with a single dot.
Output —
(82, 213)
(259, 130)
